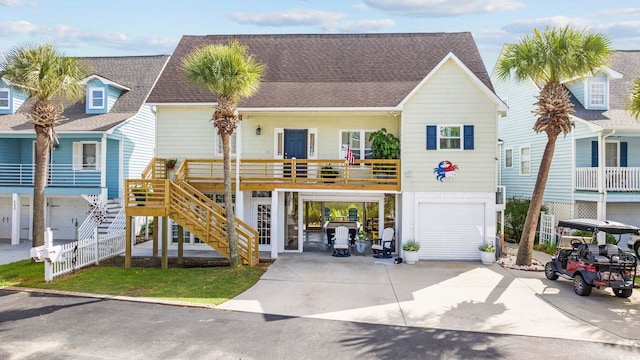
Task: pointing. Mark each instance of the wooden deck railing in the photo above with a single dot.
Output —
(192, 210)
(269, 174)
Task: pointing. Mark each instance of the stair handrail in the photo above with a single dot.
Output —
(119, 223)
(92, 221)
(247, 235)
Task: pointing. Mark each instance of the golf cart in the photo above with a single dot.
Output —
(589, 264)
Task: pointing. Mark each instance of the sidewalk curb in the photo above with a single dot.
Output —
(110, 297)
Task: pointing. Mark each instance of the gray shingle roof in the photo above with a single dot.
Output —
(628, 64)
(138, 73)
(331, 70)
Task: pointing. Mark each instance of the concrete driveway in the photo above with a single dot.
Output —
(465, 296)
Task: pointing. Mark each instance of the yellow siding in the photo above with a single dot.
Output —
(449, 97)
(185, 131)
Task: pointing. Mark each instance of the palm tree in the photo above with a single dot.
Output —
(230, 74)
(633, 105)
(48, 77)
(548, 58)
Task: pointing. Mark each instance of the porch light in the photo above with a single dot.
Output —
(258, 130)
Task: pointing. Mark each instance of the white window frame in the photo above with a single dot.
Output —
(234, 138)
(91, 91)
(360, 152)
(461, 137)
(597, 88)
(606, 154)
(508, 165)
(523, 160)
(78, 156)
(8, 92)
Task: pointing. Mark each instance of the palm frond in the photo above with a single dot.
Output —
(633, 103)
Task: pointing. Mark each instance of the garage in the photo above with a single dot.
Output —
(450, 231)
(62, 216)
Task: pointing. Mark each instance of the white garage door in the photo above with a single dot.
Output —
(63, 213)
(450, 231)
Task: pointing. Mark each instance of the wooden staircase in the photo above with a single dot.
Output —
(191, 209)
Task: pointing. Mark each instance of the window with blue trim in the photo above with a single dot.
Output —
(450, 137)
(4, 99)
(96, 98)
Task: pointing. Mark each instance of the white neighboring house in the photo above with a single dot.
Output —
(322, 94)
(595, 171)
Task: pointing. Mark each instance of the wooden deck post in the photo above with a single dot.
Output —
(156, 230)
(165, 244)
(127, 255)
(180, 244)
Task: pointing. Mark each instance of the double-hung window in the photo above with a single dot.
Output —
(597, 94)
(96, 98)
(450, 137)
(359, 142)
(525, 161)
(219, 151)
(508, 158)
(4, 99)
(86, 156)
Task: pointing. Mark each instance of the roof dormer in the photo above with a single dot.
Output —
(101, 94)
(593, 92)
(11, 97)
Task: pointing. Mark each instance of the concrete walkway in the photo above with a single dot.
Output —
(465, 296)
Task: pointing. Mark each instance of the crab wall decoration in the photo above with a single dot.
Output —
(445, 169)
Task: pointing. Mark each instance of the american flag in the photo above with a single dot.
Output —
(350, 158)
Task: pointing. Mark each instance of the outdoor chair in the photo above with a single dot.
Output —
(382, 247)
(341, 241)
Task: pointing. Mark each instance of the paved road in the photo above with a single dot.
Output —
(44, 326)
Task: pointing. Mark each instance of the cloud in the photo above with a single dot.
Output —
(13, 3)
(443, 8)
(296, 17)
(326, 21)
(619, 12)
(17, 28)
(65, 36)
(621, 30)
(360, 26)
(526, 26)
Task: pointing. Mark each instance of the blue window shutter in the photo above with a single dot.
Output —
(468, 137)
(432, 137)
(623, 154)
(594, 154)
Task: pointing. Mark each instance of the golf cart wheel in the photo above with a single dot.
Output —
(580, 286)
(623, 293)
(549, 272)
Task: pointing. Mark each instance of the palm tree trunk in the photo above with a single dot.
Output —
(525, 250)
(228, 205)
(39, 183)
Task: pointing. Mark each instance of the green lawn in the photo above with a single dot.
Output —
(209, 285)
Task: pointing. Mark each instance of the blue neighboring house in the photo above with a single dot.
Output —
(595, 171)
(104, 138)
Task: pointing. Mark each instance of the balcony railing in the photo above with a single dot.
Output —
(57, 175)
(615, 179)
(267, 174)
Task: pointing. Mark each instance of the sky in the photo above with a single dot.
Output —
(149, 27)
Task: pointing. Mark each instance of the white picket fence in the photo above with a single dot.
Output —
(81, 253)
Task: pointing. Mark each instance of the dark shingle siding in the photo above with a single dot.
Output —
(344, 70)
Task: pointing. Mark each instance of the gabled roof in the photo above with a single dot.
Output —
(328, 71)
(626, 63)
(136, 73)
(104, 81)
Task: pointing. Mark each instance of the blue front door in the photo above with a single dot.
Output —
(295, 147)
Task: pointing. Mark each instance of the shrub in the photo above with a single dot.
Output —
(411, 245)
